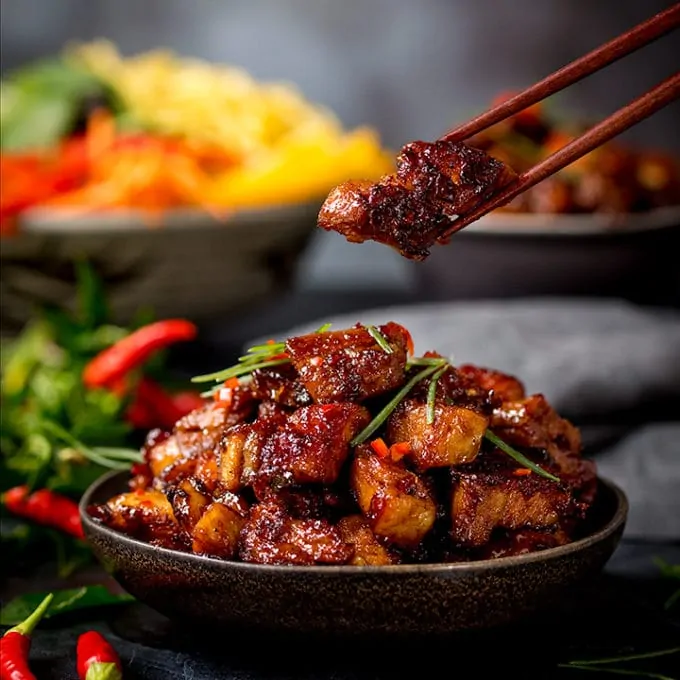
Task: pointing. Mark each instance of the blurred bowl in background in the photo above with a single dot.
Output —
(187, 264)
(506, 255)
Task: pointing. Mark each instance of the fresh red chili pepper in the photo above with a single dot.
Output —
(15, 645)
(96, 658)
(45, 507)
(133, 350)
(158, 403)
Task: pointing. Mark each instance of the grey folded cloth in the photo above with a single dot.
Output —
(601, 361)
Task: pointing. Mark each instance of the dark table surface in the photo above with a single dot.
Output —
(621, 612)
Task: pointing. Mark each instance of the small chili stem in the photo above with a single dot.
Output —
(27, 626)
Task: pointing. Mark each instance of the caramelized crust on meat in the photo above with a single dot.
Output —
(189, 499)
(412, 209)
(504, 386)
(368, 551)
(491, 494)
(280, 384)
(313, 444)
(217, 532)
(453, 438)
(146, 515)
(521, 542)
(396, 502)
(272, 536)
(349, 365)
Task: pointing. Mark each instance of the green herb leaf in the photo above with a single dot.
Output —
(519, 457)
(384, 414)
(380, 339)
(64, 601)
(628, 657)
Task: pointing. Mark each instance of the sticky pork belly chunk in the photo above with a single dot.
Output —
(532, 423)
(349, 365)
(217, 532)
(280, 384)
(397, 503)
(194, 440)
(412, 209)
(367, 549)
(143, 514)
(271, 536)
(313, 444)
(505, 387)
(494, 493)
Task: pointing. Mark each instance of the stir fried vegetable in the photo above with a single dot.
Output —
(91, 130)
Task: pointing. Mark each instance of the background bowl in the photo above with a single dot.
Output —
(507, 255)
(401, 599)
(189, 265)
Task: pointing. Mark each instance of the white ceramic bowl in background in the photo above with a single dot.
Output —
(189, 265)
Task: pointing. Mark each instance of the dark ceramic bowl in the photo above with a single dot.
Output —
(511, 256)
(400, 599)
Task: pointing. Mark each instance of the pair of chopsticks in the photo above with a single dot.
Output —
(637, 110)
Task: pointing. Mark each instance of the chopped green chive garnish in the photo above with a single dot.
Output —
(519, 457)
(380, 339)
(432, 393)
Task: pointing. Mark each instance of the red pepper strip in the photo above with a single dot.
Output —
(380, 448)
(399, 450)
(45, 507)
(15, 645)
(133, 350)
(96, 658)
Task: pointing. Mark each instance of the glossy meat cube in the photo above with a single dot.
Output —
(494, 493)
(143, 514)
(349, 365)
(280, 384)
(454, 437)
(189, 499)
(217, 532)
(272, 536)
(397, 503)
(356, 532)
(313, 444)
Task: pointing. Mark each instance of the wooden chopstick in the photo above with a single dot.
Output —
(621, 120)
(637, 37)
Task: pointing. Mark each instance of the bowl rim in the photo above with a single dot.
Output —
(549, 225)
(616, 523)
(60, 220)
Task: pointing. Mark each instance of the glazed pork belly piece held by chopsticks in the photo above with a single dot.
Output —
(443, 186)
(411, 209)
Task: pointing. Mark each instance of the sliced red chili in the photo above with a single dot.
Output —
(133, 350)
(381, 449)
(399, 450)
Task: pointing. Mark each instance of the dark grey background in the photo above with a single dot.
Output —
(412, 68)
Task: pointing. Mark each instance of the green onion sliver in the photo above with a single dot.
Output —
(519, 457)
(380, 339)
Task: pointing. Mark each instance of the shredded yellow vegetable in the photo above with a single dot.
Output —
(288, 148)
